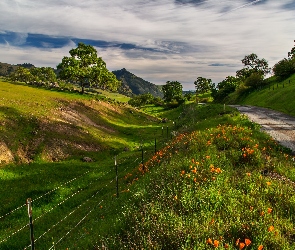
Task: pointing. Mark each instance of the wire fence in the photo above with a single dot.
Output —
(84, 201)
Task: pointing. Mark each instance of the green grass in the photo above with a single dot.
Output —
(205, 184)
(279, 95)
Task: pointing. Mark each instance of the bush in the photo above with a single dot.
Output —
(255, 80)
(284, 68)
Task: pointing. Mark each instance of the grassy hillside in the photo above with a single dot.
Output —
(38, 124)
(215, 182)
(279, 95)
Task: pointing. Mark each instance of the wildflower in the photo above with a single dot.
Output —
(237, 241)
(269, 210)
(207, 156)
(216, 243)
(242, 245)
(262, 213)
(260, 247)
(251, 208)
(209, 241)
(248, 174)
(226, 245)
(268, 183)
(175, 197)
(271, 228)
(247, 242)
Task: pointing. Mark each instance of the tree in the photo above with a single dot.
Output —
(203, 85)
(172, 91)
(21, 74)
(43, 74)
(86, 68)
(284, 68)
(225, 87)
(253, 64)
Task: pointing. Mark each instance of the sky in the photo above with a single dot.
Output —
(157, 40)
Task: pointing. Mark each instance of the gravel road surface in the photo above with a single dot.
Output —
(279, 126)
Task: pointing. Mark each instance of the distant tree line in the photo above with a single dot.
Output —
(82, 67)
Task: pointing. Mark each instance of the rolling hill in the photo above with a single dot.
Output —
(137, 84)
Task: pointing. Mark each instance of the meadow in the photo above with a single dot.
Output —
(215, 182)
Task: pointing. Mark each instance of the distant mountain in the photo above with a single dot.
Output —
(136, 85)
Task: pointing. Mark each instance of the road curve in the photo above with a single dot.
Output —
(279, 126)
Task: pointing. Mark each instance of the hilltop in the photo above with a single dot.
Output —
(136, 84)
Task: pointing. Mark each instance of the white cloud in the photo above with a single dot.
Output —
(191, 37)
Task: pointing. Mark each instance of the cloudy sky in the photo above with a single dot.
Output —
(158, 40)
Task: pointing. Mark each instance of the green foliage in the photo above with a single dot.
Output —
(86, 68)
(255, 80)
(252, 62)
(203, 85)
(22, 75)
(225, 87)
(284, 68)
(43, 74)
(141, 100)
(190, 96)
(172, 91)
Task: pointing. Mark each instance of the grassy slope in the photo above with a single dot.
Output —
(280, 96)
(206, 183)
(32, 118)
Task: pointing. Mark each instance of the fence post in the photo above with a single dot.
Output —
(167, 132)
(117, 180)
(142, 157)
(30, 213)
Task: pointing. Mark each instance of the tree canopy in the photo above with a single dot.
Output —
(172, 91)
(203, 85)
(252, 64)
(86, 68)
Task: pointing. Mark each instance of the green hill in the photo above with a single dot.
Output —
(208, 180)
(277, 95)
(136, 84)
(51, 126)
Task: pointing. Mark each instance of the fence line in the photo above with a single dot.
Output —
(70, 213)
(63, 201)
(12, 211)
(51, 209)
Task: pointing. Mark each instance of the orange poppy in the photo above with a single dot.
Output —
(209, 241)
(271, 228)
(242, 245)
(260, 247)
(216, 243)
(247, 242)
(269, 210)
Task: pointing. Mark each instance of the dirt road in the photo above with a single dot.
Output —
(279, 126)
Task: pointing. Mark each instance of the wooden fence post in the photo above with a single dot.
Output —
(30, 213)
(117, 180)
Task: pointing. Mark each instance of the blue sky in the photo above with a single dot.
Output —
(158, 40)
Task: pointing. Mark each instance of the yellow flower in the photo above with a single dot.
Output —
(271, 228)
(268, 183)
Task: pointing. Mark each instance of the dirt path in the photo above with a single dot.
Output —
(279, 126)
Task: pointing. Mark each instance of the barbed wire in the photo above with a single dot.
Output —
(69, 213)
(14, 210)
(50, 210)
